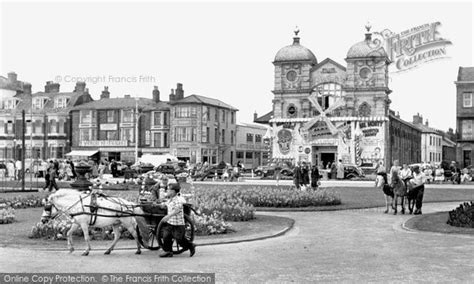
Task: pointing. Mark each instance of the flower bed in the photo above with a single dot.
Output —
(23, 202)
(463, 216)
(261, 196)
(7, 214)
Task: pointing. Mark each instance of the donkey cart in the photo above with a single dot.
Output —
(149, 226)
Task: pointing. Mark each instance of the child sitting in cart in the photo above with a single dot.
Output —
(173, 227)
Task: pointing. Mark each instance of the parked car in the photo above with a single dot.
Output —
(172, 168)
(212, 171)
(352, 171)
(269, 170)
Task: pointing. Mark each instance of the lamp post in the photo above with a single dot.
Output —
(14, 150)
(136, 130)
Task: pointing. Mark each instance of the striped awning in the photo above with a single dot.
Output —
(335, 118)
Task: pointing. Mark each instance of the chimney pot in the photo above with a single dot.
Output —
(27, 88)
(156, 94)
(105, 93)
(127, 96)
(12, 77)
(80, 87)
(255, 116)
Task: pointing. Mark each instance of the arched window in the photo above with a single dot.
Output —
(328, 93)
(364, 109)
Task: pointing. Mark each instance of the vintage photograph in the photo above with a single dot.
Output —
(236, 142)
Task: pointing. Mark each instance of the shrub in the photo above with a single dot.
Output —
(462, 216)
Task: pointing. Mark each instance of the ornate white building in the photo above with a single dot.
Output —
(324, 111)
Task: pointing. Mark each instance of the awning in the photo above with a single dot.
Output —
(83, 153)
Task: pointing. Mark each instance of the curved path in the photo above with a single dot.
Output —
(351, 246)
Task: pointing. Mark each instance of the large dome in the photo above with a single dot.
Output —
(366, 48)
(295, 52)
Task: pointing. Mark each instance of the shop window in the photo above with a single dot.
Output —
(240, 155)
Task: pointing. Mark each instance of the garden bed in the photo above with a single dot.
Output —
(436, 222)
(16, 234)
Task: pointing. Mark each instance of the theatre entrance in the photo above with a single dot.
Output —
(323, 155)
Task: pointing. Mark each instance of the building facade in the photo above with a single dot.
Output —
(323, 112)
(431, 141)
(405, 141)
(465, 116)
(47, 123)
(203, 129)
(120, 128)
(250, 147)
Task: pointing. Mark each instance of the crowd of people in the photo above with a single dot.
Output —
(305, 176)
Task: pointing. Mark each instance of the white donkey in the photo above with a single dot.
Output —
(110, 211)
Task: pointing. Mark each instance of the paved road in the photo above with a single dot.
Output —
(348, 246)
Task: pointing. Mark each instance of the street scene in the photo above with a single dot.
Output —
(199, 142)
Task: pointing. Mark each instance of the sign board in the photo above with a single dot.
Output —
(103, 143)
(109, 126)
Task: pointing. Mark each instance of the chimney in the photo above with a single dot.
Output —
(156, 94)
(51, 87)
(12, 77)
(86, 90)
(417, 119)
(172, 96)
(27, 88)
(127, 96)
(255, 116)
(105, 93)
(179, 91)
(426, 123)
(450, 131)
(398, 114)
(80, 87)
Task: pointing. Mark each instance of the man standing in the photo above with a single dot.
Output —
(418, 182)
(314, 177)
(297, 176)
(340, 170)
(173, 227)
(113, 168)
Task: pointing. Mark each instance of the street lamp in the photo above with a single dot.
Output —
(136, 130)
(14, 150)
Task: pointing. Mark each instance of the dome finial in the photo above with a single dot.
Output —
(296, 39)
(296, 31)
(368, 26)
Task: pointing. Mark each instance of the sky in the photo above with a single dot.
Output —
(222, 50)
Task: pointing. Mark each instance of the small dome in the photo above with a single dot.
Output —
(295, 52)
(366, 48)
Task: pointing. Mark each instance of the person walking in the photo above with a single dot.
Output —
(340, 170)
(439, 174)
(297, 176)
(333, 170)
(18, 170)
(101, 170)
(305, 175)
(314, 177)
(418, 187)
(277, 173)
(53, 174)
(173, 223)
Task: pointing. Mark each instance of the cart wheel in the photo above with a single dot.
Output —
(152, 243)
(188, 234)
